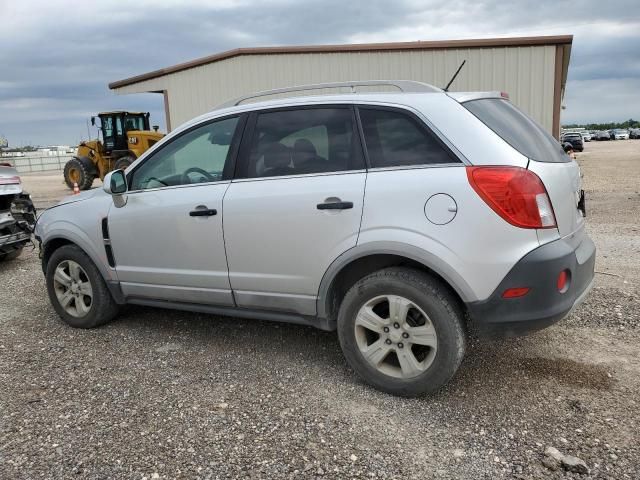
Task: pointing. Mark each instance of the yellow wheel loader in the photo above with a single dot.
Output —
(125, 136)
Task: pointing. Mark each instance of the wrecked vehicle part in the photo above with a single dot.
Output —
(17, 214)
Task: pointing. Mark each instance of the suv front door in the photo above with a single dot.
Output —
(167, 240)
(295, 205)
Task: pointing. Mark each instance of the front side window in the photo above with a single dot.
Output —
(197, 156)
(396, 139)
(303, 141)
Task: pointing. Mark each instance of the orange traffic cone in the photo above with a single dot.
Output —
(76, 189)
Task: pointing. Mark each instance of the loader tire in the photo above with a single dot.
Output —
(123, 162)
(76, 172)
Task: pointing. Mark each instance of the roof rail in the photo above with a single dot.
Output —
(406, 86)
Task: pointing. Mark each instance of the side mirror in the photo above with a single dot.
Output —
(115, 184)
(156, 128)
(93, 121)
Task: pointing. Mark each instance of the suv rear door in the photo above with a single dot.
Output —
(295, 205)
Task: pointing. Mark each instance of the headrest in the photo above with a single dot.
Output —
(277, 155)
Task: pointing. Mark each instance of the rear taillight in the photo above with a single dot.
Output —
(516, 194)
(10, 180)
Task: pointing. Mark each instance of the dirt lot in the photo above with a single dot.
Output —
(162, 394)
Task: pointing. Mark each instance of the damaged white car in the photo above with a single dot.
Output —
(17, 214)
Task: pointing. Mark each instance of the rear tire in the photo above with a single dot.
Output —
(77, 290)
(413, 345)
(76, 171)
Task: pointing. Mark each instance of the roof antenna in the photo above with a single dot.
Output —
(446, 89)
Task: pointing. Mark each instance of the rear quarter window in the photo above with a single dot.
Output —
(517, 129)
(396, 139)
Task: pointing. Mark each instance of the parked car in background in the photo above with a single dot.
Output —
(575, 139)
(17, 214)
(586, 136)
(634, 133)
(620, 134)
(471, 211)
(602, 135)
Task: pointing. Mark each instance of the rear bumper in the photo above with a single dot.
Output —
(543, 305)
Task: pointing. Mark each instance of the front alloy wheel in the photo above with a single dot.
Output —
(77, 290)
(73, 288)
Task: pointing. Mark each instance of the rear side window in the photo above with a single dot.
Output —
(303, 141)
(396, 139)
(517, 129)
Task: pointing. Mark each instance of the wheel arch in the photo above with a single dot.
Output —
(360, 261)
(54, 242)
(68, 236)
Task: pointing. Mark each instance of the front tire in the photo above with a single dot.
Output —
(77, 290)
(402, 331)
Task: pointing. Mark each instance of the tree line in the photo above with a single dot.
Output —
(631, 123)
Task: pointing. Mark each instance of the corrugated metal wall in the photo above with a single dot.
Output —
(526, 73)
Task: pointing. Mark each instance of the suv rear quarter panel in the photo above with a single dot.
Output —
(477, 244)
(473, 139)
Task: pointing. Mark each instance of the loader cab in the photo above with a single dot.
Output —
(115, 125)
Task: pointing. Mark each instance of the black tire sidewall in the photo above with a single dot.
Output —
(435, 301)
(103, 307)
(86, 179)
(123, 162)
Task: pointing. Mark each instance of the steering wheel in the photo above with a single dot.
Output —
(204, 173)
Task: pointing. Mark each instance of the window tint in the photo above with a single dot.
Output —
(517, 129)
(397, 139)
(296, 142)
(195, 157)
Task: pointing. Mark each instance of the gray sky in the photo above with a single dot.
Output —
(57, 57)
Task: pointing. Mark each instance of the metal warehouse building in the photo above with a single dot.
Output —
(532, 70)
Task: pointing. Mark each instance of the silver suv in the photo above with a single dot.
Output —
(392, 218)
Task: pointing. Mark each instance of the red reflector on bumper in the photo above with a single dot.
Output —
(515, 292)
(563, 279)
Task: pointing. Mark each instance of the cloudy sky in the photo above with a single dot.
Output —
(56, 57)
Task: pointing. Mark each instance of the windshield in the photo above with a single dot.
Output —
(517, 129)
(134, 122)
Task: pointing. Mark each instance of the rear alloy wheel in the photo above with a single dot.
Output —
(401, 330)
(396, 336)
(77, 290)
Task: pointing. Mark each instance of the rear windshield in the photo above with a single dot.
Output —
(517, 129)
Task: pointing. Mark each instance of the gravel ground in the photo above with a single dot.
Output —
(163, 394)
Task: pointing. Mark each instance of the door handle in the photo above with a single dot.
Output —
(335, 205)
(203, 211)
